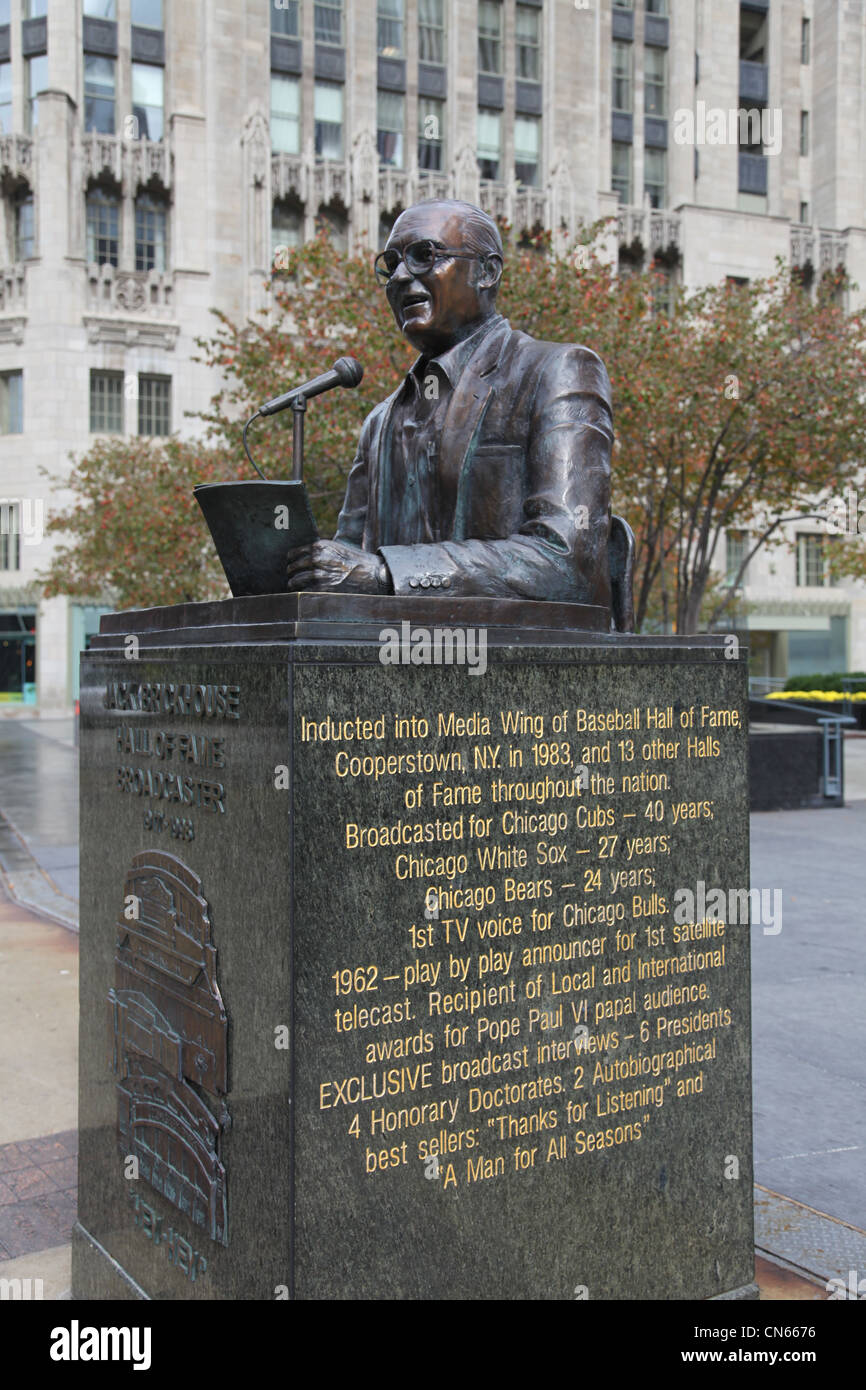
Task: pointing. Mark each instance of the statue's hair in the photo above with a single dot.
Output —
(481, 232)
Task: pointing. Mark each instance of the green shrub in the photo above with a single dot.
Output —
(833, 681)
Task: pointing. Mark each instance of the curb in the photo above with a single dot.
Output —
(809, 1242)
(28, 885)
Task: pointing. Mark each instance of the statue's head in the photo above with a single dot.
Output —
(450, 284)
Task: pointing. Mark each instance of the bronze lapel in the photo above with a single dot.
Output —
(461, 429)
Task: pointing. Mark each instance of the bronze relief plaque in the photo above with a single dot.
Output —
(168, 1038)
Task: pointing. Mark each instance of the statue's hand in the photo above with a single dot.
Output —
(336, 565)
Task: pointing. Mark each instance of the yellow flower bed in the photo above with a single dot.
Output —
(827, 696)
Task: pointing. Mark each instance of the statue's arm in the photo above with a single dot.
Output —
(559, 552)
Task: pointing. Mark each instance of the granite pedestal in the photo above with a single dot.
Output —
(399, 976)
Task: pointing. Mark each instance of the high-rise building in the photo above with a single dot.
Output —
(155, 153)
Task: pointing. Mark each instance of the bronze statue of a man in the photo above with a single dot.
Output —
(487, 472)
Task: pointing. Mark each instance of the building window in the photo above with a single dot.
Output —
(103, 229)
(805, 42)
(804, 214)
(655, 176)
(148, 100)
(154, 405)
(25, 228)
(623, 4)
(527, 141)
(389, 28)
(622, 99)
(147, 14)
(287, 230)
(328, 114)
(284, 18)
(804, 132)
(431, 31)
(736, 550)
(328, 20)
(333, 220)
(106, 402)
(489, 143)
(101, 9)
(99, 94)
(36, 80)
(10, 535)
(389, 128)
(656, 6)
(811, 561)
(5, 98)
(490, 37)
(663, 295)
(431, 133)
(151, 223)
(621, 171)
(285, 114)
(753, 35)
(35, 9)
(11, 402)
(655, 81)
(528, 43)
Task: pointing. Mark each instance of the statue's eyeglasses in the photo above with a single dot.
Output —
(420, 258)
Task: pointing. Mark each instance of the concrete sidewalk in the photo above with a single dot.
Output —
(808, 1017)
(39, 1084)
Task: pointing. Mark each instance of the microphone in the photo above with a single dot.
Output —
(346, 371)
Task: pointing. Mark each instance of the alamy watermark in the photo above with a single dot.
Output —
(21, 1290)
(437, 646)
(854, 1289)
(700, 905)
(712, 125)
(846, 515)
(77, 1343)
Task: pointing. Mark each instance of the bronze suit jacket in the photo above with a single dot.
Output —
(524, 465)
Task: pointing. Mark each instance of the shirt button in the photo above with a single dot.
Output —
(413, 583)
(425, 582)
(436, 581)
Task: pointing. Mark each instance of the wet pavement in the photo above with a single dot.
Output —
(808, 1019)
(39, 814)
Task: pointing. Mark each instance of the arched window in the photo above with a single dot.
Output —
(386, 223)
(23, 226)
(151, 233)
(335, 219)
(103, 228)
(287, 229)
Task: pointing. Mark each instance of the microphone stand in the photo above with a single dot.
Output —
(256, 525)
(298, 408)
